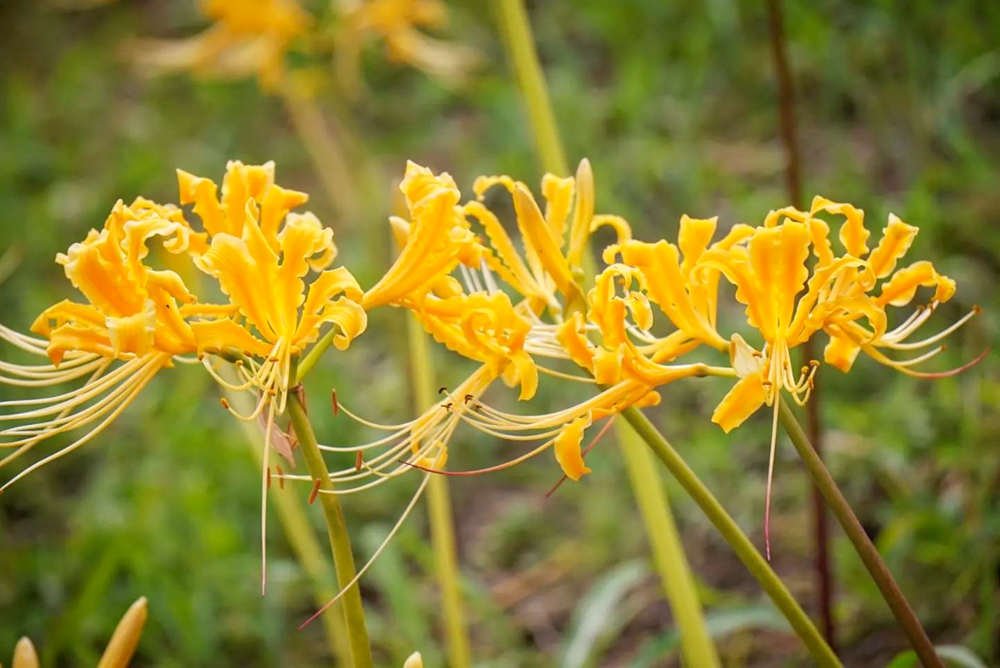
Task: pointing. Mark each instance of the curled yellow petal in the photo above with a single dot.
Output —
(583, 213)
(742, 401)
(902, 287)
(536, 233)
(841, 352)
(896, 240)
(567, 448)
(226, 336)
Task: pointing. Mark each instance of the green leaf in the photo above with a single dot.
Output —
(720, 623)
(953, 655)
(598, 615)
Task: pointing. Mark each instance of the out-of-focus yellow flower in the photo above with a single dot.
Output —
(260, 253)
(119, 651)
(247, 38)
(134, 324)
(415, 660)
(398, 23)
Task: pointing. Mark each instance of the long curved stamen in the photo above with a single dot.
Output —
(770, 477)
(97, 384)
(67, 421)
(916, 345)
(138, 386)
(375, 555)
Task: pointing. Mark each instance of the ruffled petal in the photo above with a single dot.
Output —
(567, 448)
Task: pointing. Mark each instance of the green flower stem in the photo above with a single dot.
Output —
(439, 509)
(747, 553)
(295, 524)
(336, 528)
(315, 352)
(891, 592)
(516, 33)
(668, 551)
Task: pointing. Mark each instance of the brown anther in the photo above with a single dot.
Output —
(976, 309)
(766, 383)
(247, 353)
(224, 402)
(274, 360)
(944, 347)
(442, 389)
(814, 363)
(268, 477)
(281, 476)
(315, 490)
(757, 353)
(239, 363)
(333, 399)
(469, 398)
(201, 357)
(359, 459)
(447, 406)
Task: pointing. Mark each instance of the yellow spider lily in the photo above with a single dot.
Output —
(133, 325)
(397, 22)
(248, 38)
(552, 263)
(477, 319)
(788, 303)
(260, 253)
(118, 653)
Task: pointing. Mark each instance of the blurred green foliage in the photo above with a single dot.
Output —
(675, 105)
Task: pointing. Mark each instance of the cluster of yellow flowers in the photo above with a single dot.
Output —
(253, 38)
(139, 320)
(518, 313)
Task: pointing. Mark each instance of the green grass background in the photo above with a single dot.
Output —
(675, 105)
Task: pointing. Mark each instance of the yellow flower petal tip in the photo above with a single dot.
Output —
(567, 448)
(125, 639)
(415, 660)
(25, 655)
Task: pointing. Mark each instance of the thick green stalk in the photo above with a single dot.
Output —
(336, 528)
(863, 545)
(439, 509)
(731, 532)
(668, 551)
(516, 33)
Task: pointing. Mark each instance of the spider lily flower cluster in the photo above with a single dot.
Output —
(138, 320)
(520, 311)
(253, 38)
(517, 312)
